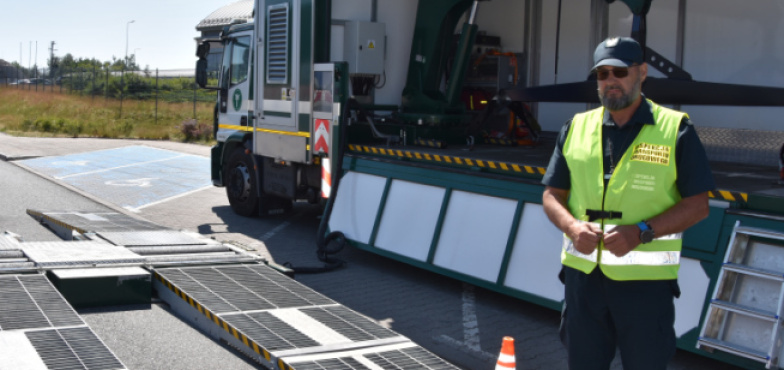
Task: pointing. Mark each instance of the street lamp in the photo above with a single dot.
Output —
(125, 62)
(127, 26)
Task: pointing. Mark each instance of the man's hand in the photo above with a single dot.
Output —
(585, 236)
(622, 239)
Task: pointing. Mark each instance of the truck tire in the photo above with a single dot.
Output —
(241, 184)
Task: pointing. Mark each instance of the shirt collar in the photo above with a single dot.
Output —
(643, 115)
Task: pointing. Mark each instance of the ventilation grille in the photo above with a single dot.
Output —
(277, 43)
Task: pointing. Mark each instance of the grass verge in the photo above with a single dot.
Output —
(46, 113)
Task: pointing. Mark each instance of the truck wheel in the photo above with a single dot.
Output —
(241, 186)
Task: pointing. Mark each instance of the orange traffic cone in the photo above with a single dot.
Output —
(506, 360)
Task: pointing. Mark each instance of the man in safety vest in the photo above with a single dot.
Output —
(624, 181)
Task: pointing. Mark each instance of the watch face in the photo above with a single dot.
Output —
(646, 236)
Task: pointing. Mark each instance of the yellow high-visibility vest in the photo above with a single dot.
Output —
(641, 187)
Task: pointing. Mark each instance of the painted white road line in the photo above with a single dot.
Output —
(470, 342)
(470, 323)
(139, 208)
(118, 167)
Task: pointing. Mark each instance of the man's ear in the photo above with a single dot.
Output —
(643, 71)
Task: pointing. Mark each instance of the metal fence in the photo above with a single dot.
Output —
(101, 83)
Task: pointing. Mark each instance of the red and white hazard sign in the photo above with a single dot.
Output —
(321, 142)
(326, 178)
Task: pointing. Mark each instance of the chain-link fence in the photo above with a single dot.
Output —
(105, 102)
(173, 85)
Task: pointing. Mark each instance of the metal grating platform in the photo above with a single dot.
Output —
(73, 348)
(146, 238)
(78, 253)
(278, 321)
(92, 221)
(40, 330)
(242, 288)
(30, 301)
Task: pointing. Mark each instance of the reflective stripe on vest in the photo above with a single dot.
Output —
(642, 186)
(635, 257)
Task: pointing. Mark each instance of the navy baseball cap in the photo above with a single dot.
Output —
(618, 52)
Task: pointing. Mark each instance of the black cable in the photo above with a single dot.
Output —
(323, 250)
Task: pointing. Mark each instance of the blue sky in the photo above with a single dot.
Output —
(162, 35)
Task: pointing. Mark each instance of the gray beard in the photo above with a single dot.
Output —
(622, 102)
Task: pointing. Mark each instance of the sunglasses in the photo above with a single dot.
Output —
(603, 74)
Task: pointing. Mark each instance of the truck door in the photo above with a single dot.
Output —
(235, 100)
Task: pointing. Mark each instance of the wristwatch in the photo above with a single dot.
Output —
(646, 232)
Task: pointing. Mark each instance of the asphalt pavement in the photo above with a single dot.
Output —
(459, 322)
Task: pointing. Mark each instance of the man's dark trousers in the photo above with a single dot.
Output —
(601, 314)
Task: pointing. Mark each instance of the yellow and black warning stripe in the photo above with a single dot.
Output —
(450, 160)
(514, 168)
(430, 143)
(222, 323)
(731, 196)
(500, 141)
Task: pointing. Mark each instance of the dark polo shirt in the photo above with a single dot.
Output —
(694, 174)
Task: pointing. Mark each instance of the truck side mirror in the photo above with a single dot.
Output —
(201, 72)
(202, 50)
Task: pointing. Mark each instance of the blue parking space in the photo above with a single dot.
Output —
(131, 177)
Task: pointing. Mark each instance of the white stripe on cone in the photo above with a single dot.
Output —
(506, 360)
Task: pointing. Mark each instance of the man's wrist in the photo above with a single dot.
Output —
(646, 232)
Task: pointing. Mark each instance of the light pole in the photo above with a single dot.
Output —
(125, 62)
(127, 26)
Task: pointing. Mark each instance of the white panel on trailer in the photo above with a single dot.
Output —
(410, 218)
(536, 256)
(474, 234)
(356, 205)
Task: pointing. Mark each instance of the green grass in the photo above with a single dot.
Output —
(46, 113)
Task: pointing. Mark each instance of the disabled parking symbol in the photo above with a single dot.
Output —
(142, 183)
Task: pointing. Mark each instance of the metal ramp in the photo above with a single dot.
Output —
(11, 255)
(227, 292)
(40, 330)
(283, 324)
(155, 245)
(745, 315)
